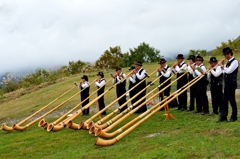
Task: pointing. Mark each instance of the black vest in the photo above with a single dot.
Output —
(162, 79)
(101, 90)
(143, 84)
(203, 80)
(121, 85)
(232, 76)
(184, 78)
(216, 80)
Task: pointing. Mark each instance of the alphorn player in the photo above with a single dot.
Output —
(191, 62)
(84, 84)
(180, 66)
(132, 82)
(216, 80)
(230, 72)
(165, 71)
(120, 87)
(201, 87)
(140, 75)
(100, 82)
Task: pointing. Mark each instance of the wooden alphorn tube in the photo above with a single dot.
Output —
(84, 125)
(101, 142)
(43, 123)
(7, 128)
(115, 121)
(61, 125)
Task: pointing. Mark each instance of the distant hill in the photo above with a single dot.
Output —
(210, 52)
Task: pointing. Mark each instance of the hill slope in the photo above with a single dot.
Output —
(190, 136)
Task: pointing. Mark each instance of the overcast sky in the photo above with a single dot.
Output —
(49, 33)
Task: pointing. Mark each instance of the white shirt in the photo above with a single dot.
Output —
(121, 76)
(189, 68)
(232, 67)
(100, 82)
(142, 76)
(132, 79)
(179, 69)
(217, 72)
(197, 73)
(84, 84)
(166, 74)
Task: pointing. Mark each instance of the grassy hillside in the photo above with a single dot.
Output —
(190, 136)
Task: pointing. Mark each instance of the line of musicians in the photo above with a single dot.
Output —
(198, 92)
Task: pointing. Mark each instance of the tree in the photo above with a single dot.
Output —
(143, 53)
(76, 67)
(197, 52)
(110, 58)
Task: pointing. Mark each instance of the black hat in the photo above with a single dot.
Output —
(161, 61)
(199, 58)
(213, 59)
(85, 77)
(100, 74)
(131, 68)
(180, 56)
(191, 57)
(138, 63)
(226, 50)
(118, 68)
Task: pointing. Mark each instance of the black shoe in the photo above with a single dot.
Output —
(178, 108)
(190, 110)
(183, 109)
(205, 113)
(222, 120)
(232, 120)
(196, 112)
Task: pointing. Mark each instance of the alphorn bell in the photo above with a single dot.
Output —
(61, 125)
(7, 128)
(101, 142)
(115, 121)
(44, 124)
(84, 125)
(20, 128)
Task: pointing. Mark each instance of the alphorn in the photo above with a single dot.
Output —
(105, 125)
(7, 128)
(101, 142)
(132, 109)
(21, 128)
(43, 123)
(60, 126)
(83, 125)
(103, 133)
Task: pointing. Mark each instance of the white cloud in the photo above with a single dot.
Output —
(49, 33)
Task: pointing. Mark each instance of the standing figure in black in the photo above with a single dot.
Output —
(201, 87)
(191, 62)
(180, 66)
(140, 77)
(120, 78)
(230, 72)
(216, 80)
(84, 86)
(100, 82)
(132, 83)
(165, 72)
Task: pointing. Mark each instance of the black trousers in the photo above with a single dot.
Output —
(217, 95)
(101, 104)
(182, 98)
(122, 100)
(229, 96)
(166, 92)
(201, 97)
(192, 97)
(86, 111)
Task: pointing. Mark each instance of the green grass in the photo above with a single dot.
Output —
(190, 136)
